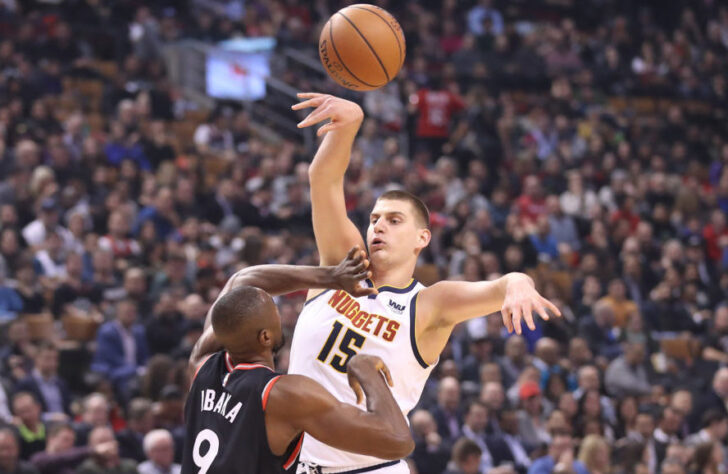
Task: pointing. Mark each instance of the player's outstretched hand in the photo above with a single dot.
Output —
(521, 301)
(352, 271)
(363, 369)
(342, 113)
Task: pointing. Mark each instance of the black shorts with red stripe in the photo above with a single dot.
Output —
(225, 421)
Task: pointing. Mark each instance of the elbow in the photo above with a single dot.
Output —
(398, 447)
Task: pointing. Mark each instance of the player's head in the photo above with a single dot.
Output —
(398, 229)
(247, 323)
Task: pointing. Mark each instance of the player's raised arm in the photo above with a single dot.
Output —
(334, 231)
(299, 404)
(447, 303)
(282, 279)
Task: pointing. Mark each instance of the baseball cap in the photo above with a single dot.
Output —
(529, 389)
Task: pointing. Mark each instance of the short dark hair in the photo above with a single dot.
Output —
(473, 403)
(58, 427)
(421, 211)
(712, 416)
(464, 448)
(138, 408)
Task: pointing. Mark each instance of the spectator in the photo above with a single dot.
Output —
(60, 455)
(46, 386)
(36, 233)
(666, 433)
(122, 348)
(96, 413)
(161, 214)
(597, 330)
(140, 421)
(715, 399)
(494, 398)
(560, 458)
(431, 453)
(102, 439)
(715, 428)
(446, 412)
(594, 454)
(10, 462)
(159, 448)
(531, 417)
(509, 423)
(465, 458)
(31, 429)
(494, 451)
(626, 375)
(708, 458)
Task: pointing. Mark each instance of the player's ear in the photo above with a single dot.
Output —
(423, 239)
(265, 338)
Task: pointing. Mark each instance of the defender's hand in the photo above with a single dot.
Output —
(352, 271)
(362, 369)
(342, 113)
(521, 301)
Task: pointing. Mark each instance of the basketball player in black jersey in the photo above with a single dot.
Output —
(244, 418)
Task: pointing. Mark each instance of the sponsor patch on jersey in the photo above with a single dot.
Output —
(396, 307)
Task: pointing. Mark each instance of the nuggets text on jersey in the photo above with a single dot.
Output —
(343, 303)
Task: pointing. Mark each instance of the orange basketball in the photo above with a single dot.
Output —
(362, 47)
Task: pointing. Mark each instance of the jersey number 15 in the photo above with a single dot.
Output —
(349, 339)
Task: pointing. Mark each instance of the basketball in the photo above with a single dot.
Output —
(362, 47)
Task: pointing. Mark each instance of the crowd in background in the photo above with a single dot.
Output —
(580, 141)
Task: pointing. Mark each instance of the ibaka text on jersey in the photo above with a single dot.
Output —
(371, 323)
(213, 402)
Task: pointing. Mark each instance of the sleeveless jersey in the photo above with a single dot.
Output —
(333, 327)
(225, 421)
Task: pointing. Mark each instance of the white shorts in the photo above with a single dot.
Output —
(399, 467)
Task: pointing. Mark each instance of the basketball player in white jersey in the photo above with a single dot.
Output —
(405, 323)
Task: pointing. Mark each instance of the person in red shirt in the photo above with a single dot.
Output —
(531, 204)
(625, 213)
(716, 235)
(435, 108)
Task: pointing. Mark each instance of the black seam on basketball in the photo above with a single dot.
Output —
(371, 48)
(333, 44)
(396, 36)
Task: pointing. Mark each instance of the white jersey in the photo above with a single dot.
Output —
(332, 328)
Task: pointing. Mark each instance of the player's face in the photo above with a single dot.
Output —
(394, 236)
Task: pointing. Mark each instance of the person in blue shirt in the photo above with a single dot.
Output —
(559, 458)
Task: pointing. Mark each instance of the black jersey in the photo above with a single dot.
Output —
(225, 421)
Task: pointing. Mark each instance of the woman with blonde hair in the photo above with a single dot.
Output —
(594, 453)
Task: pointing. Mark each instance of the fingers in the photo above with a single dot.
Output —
(516, 318)
(506, 315)
(352, 252)
(542, 312)
(528, 316)
(327, 128)
(310, 95)
(362, 265)
(318, 115)
(387, 375)
(308, 103)
(356, 386)
(552, 307)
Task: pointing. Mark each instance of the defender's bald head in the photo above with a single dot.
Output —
(240, 315)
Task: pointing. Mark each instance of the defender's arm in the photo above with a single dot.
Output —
(299, 404)
(282, 279)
